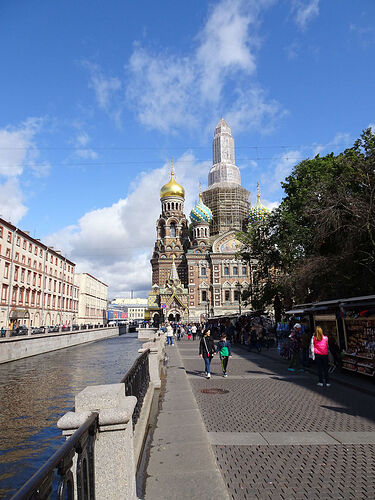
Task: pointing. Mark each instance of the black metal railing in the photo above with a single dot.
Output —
(58, 469)
(137, 381)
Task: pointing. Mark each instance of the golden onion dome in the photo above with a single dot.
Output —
(173, 188)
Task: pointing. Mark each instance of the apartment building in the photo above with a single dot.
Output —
(36, 281)
(93, 297)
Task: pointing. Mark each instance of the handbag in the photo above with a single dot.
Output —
(311, 349)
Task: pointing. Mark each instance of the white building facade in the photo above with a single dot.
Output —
(36, 282)
(135, 308)
(93, 297)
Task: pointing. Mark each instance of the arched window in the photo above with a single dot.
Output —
(162, 230)
(172, 205)
(226, 270)
(173, 230)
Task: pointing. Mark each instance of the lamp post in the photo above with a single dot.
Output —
(239, 289)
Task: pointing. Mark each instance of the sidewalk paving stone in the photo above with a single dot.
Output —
(274, 434)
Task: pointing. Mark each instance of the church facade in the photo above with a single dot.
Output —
(196, 273)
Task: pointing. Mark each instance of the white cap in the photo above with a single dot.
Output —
(297, 325)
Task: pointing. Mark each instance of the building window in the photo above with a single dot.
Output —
(23, 275)
(244, 271)
(16, 273)
(235, 271)
(226, 271)
(236, 295)
(1, 231)
(17, 259)
(6, 270)
(227, 295)
(173, 230)
(203, 271)
(4, 294)
(18, 241)
(30, 247)
(7, 253)
(14, 298)
(204, 296)
(24, 244)
(9, 237)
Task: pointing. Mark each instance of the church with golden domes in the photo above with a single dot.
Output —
(195, 271)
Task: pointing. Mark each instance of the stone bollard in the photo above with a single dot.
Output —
(115, 467)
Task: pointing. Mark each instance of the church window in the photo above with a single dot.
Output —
(227, 295)
(226, 270)
(203, 271)
(173, 230)
(235, 271)
(204, 296)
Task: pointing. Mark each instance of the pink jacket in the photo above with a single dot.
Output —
(321, 347)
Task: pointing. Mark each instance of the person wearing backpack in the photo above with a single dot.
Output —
(223, 348)
(207, 351)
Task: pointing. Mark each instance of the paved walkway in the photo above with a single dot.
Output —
(274, 434)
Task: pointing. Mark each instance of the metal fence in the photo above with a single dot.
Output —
(137, 381)
(57, 469)
(55, 478)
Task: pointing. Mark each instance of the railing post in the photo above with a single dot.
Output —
(114, 448)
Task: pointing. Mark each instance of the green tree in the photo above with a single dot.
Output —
(320, 242)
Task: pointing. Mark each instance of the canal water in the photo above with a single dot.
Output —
(35, 392)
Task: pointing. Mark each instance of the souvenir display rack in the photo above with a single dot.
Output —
(360, 354)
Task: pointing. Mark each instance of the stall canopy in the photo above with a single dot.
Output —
(19, 314)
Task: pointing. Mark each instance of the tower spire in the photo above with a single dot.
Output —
(172, 168)
(173, 274)
(258, 193)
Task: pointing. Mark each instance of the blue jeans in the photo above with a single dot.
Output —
(207, 364)
(169, 340)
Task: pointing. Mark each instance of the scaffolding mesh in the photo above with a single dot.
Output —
(230, 206)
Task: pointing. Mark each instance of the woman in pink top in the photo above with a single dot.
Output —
(321, 355)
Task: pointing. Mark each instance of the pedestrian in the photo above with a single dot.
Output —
(305, 345)
(223, 348)
(194, 331)
(169, 334)
(189, 332)
(321, 355)
(207, 351)
(2, 331)
(295, 347)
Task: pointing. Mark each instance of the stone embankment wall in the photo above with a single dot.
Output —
(14, 348)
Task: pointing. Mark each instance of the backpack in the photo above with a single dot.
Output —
(224, 351)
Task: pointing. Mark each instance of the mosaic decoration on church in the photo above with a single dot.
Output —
(201, 213)
(258, 213)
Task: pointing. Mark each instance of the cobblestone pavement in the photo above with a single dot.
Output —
(262, 397)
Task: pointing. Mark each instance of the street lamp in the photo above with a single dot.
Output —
(239, 289)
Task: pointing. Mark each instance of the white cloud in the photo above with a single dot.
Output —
(106, 91)
(341, 141)
(18, 152)
(11, 201)
(304, 12)
(372, 127)
(17, 149)
(115, 243)
(167, 91)
(82, 140)
(281, 166)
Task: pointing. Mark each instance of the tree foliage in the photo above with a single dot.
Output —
(320, 242)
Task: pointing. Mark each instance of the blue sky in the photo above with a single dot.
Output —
(96, 96)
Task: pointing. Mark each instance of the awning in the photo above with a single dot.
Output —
(296, 311)
(19, 314)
